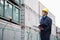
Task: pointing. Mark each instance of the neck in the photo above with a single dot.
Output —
(44, 15)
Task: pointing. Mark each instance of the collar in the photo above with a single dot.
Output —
(44, 16)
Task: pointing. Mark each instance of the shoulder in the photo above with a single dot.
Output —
(49, 18)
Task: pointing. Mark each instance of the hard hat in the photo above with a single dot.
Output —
(45, 9)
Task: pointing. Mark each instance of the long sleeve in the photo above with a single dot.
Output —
(48, 24)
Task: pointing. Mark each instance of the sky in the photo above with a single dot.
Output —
(54, 8)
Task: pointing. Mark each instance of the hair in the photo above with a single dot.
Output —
(45, 11)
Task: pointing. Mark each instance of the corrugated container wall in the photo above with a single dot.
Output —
(32, 4)
(31, 13)
(9, 17)
(30, 19)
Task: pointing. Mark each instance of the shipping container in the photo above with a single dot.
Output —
(19, 19)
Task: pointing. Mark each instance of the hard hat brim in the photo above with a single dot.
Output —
(44, 11)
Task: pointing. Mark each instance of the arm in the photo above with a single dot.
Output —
(48, 24)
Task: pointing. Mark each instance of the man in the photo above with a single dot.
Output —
(45, 25)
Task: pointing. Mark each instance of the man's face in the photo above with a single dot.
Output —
(44, 13)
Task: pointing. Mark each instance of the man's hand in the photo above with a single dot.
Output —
(41, 28)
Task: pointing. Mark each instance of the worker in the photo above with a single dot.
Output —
(45, 25)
